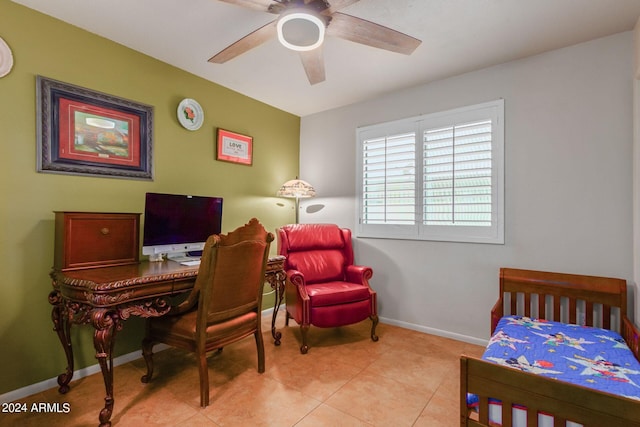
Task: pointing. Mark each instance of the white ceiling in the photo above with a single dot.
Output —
(457, 36)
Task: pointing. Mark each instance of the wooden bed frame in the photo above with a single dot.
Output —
(569, 298)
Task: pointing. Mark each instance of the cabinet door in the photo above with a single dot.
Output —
(86, 240)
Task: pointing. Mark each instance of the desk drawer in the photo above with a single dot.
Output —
(89, 239)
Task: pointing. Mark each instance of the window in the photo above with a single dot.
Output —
(434, 177)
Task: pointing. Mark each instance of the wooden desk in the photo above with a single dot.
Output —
(105, 297)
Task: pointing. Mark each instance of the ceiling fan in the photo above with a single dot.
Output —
(302, 24)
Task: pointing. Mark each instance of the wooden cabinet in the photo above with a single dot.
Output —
(91, 239)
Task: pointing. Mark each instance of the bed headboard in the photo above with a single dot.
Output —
(569, 298)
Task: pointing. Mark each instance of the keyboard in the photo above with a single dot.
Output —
(190, 263)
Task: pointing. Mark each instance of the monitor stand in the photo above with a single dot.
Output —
(182, 257)
(156, 258)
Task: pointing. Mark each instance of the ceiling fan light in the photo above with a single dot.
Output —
(300, 31)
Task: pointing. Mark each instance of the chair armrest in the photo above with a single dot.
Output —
(189, 304)
(297, 299)
(296, 278)
(358, 274)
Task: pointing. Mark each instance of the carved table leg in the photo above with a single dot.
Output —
(62, 326)
(277, 281)
(106, 323)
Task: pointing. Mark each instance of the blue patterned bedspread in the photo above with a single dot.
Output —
(591, 357)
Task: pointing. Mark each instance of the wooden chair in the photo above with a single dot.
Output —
(224, 305)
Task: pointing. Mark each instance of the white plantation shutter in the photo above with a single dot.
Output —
(388, 182)
(457, 175)
(434, 177)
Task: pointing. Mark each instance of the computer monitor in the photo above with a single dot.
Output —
(177, 225)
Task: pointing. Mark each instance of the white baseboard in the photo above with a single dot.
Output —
(29, 390)
(433, 331)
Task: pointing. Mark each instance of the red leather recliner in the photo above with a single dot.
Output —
(323, 287)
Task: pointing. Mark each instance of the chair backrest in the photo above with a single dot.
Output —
(319, 251)
(231, 274)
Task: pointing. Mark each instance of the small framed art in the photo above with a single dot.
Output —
(84, 132)
(234, 147)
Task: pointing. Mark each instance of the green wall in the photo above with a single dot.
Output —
(184, 162)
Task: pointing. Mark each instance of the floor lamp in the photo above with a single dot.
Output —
(297, 189)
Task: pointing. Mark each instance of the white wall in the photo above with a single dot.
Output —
(636, 166)
(568, 183)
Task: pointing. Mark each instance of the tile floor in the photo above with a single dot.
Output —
(407, 378)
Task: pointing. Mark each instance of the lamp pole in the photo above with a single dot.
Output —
(297, 210)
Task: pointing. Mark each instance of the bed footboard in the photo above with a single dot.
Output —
(565, 402)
